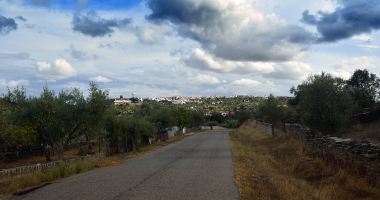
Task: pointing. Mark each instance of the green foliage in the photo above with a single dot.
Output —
(269, 110)
(182, 117)
(325, 104)
(217, 117)
(62, 169)
(58, 118)
(79, 167)
(364, 88)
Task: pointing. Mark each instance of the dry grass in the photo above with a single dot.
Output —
(367, 132)
(32, 180)
(277, 168)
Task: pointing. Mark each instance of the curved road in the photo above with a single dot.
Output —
(198, 167)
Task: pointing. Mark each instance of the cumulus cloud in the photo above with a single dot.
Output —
(342, 74)
(233, 30)
(364, 62)
(245, 83)
(151, 34)
(204, 78)
(292, 70)
(60, 69)
(100, 79)
(95, 26)
(7, 25)
(363, 38)
(369, 46)
(350, 19)
(20, 18)
(13, 84)
(200, 60)
(81, 55)
(15, 56)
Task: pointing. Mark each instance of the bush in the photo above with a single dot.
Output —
(62, 169)
(325, 104)
(79, 167)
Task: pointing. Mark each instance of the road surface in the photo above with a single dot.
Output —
(198, 167)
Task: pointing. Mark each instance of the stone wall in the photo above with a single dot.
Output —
(360, 157)
(18, 172)
(268, 128)
(213, 128)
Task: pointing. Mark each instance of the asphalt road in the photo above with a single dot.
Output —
(198, 167)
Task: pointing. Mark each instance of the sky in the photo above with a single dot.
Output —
(161, 48)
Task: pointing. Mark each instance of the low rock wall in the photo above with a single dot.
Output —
(268, 128)
(18, 172)
(213, 128)
(360, 157)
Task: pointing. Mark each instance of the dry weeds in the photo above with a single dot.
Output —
(367, 132)
(277, 168)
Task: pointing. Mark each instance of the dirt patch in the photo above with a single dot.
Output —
(278, 168)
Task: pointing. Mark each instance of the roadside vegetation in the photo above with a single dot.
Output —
(278, 168)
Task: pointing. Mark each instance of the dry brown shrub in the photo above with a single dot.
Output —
(278, 168)
(367, 132)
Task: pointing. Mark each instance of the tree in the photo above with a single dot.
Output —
(269, 110)
(182, 117)
(365, 87)
(325, 104)
(12, 133)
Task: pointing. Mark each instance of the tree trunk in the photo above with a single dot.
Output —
(46, 151)
(89, 142)
(118, 144)
(108, 147)
(126, 143)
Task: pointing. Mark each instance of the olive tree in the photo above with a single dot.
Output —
(325, 104)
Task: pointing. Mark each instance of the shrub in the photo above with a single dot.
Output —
(79, 167)
(62, 169)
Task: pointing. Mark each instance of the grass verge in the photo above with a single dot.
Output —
(62, 171)
(278, 168)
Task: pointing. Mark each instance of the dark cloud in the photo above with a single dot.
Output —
(20, 18)
(226, 32)
(15, 56)
(81, 55)
(351, 18)
(7, 25)
(95, 26)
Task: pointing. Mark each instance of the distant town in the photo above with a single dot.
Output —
(188, 99)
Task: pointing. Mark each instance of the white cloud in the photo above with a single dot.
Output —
(224, 81)
(292, 70)
(60, 69)
(13, 84)
(369, 46)
(364, 62)
(342, 74)
(203, 78)
(245, 83)
(203, 61)
(364, 38)
(151, 34)
(100, 79)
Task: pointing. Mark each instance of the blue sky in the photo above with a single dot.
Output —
(189, 47)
